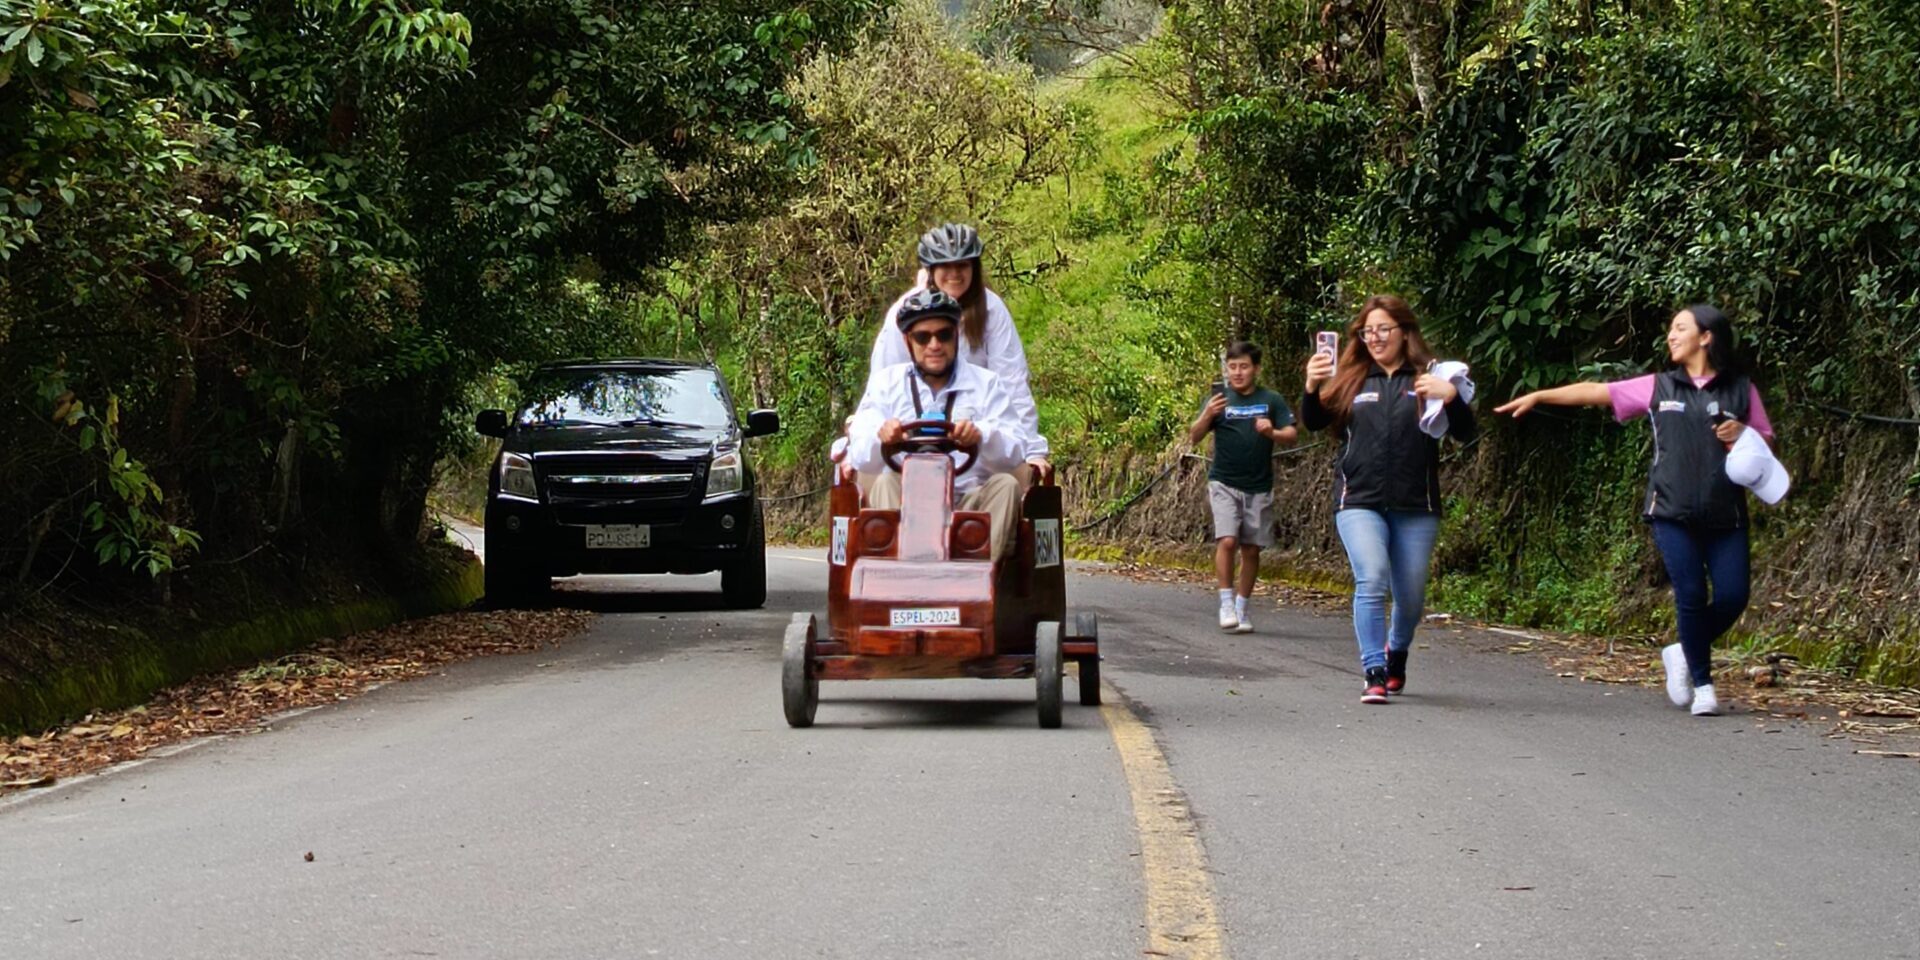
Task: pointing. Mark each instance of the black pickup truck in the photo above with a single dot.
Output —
(623, 466)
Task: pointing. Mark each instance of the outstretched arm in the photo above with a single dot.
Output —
(1571, 395)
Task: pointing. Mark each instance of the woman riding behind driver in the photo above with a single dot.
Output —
(950, 254)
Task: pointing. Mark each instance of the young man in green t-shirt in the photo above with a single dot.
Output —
(1246, 420)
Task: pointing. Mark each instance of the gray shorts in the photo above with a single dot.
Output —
(1247, 517)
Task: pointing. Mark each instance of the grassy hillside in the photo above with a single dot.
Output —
(1117, 363)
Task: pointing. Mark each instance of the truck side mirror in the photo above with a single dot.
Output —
(761, 423)
(491, 423)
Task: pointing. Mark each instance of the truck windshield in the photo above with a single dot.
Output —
(672, 398)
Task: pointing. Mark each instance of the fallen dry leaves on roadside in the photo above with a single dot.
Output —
(241, 700)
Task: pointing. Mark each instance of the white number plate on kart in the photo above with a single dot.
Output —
(926, 617)
(619, 536)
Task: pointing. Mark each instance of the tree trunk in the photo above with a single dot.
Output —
(1422, 25)
(286, 478)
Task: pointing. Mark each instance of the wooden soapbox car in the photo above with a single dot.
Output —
(915, 593)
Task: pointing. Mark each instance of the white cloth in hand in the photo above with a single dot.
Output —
(1433, 415)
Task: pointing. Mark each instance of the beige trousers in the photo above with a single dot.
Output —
(999, 497)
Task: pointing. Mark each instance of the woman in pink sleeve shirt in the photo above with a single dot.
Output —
(1697, 515)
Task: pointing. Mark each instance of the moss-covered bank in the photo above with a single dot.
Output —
(141, 662)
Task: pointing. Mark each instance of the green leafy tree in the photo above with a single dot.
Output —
(279, 240)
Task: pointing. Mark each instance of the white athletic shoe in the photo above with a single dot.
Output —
(1705, 704)
(1229, 620)
(1679, 682)
(1245, 625)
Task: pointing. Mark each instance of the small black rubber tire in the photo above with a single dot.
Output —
(799, 688)
(1047, 672)
(1086, 626)
(744, 582)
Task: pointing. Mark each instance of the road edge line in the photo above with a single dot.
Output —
(1182, 919)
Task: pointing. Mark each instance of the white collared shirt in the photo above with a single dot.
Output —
(977, 396)
(1002, 353)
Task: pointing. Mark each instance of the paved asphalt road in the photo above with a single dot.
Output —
(635, 793)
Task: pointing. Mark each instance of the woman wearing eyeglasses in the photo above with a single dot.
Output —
(950, 255)
(1388, 409)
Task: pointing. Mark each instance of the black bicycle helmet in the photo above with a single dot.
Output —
(926, 305)
(949, 243)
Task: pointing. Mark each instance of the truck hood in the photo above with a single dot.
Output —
(674, 442)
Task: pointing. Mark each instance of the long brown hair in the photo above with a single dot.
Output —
(1355, 362)
(973, 307)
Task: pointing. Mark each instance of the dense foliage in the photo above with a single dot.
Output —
(253, 254)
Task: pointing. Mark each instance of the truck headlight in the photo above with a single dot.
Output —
(725, 475)
(516, 477)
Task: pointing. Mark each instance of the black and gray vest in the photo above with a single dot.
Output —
(1688, 483)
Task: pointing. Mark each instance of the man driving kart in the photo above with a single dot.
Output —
(934, 386)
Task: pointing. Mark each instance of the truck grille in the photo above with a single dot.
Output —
(619, 490)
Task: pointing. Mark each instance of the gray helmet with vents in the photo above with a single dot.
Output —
(949, 243)
(926, 305)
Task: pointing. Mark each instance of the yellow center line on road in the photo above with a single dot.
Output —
(1182, 920)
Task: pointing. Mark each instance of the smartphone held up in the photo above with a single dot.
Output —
(1328, 342)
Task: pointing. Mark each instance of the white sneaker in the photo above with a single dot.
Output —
(1679, 682)
(1229, 620)
(1245, 625)
(1705, 704)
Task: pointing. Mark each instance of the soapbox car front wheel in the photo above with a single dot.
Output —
(799, 688)
(1046, 673)
(927, 436)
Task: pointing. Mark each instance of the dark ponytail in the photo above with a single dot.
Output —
(1721, 353)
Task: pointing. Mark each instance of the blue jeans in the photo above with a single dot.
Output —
(1387, 547)
(1695, 559)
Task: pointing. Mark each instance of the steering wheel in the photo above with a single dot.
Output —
(928, 436)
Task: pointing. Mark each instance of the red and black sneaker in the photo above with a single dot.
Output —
(1376, 686)
(1396, 672)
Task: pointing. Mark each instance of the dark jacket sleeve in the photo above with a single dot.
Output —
(1314, 415)
(1461, 425)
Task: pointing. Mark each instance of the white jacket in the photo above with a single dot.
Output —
(977, 396)
(1002, 353)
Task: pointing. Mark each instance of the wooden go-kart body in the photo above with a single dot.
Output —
(915, 593)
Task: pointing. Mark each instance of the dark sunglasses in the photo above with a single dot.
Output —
(924, 337)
